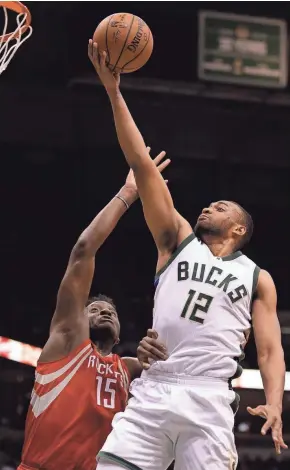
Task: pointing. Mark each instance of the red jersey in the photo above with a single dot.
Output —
(71, 409)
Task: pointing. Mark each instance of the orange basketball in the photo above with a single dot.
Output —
(127, 40)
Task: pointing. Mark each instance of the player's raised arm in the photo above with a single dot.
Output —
(156, 199)
(69, 325)
(270, 357)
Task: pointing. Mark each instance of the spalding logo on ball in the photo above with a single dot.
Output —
(127, 40)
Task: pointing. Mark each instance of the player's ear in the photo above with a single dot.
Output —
(117, 341)
(239, 230)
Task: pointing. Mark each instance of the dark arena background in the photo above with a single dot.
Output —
(226, 131)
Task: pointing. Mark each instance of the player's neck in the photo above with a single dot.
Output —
(104, 347)
(219, 247)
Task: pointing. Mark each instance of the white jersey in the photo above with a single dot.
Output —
(202, 310)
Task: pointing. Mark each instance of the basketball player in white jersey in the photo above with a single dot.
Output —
(208, 295)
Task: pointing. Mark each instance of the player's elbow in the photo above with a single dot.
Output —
(81, 249)
(271, 351)
(142, 165)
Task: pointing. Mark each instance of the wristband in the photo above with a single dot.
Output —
(123, 200)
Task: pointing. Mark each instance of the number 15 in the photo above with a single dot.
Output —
(106, 402)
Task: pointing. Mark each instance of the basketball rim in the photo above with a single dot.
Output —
(11, 41)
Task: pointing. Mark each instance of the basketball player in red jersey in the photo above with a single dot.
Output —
(80, 384)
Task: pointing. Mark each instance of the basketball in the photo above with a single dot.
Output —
(127, 40)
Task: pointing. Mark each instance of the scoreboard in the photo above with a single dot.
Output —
(244, 50)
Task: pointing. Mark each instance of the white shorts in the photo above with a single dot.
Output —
(189, 420)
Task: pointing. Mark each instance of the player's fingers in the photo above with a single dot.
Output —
(95, 52)
(103, 57)
(156, 357)
(258, 411)
(90, 49)
(269, 423)
(280, 443)
(155, 343)
(276, 435)
(281, 440)
(96, 56)
(152, 333)
(151, 351)
(145, 365)
(148, 149)
(143, 359)
(155, 351)
(283, 443)
(159, 157)
(151, 342)
(117, 76)
(144, 356)
(163, 165)
(252, 411)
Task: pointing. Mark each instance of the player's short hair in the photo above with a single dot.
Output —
(247, 221)
(101, 298)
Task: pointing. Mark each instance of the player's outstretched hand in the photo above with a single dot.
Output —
(110, 80)
(272, 415)
(159, 162)
(150, 348)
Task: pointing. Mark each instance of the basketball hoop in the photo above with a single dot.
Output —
(10, 42)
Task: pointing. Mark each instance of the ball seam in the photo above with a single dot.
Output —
(138, 55)
(124, 45)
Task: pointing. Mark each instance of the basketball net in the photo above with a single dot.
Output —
(10, 42)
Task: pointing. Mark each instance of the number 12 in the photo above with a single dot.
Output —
(197, 306)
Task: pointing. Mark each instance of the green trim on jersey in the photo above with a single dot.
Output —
(236, 403)
(255, 280)
(232, 256)
(114, 458)
(182, 245)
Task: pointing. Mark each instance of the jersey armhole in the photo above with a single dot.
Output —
(178, 250)
(122, 366)
(255, 283)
